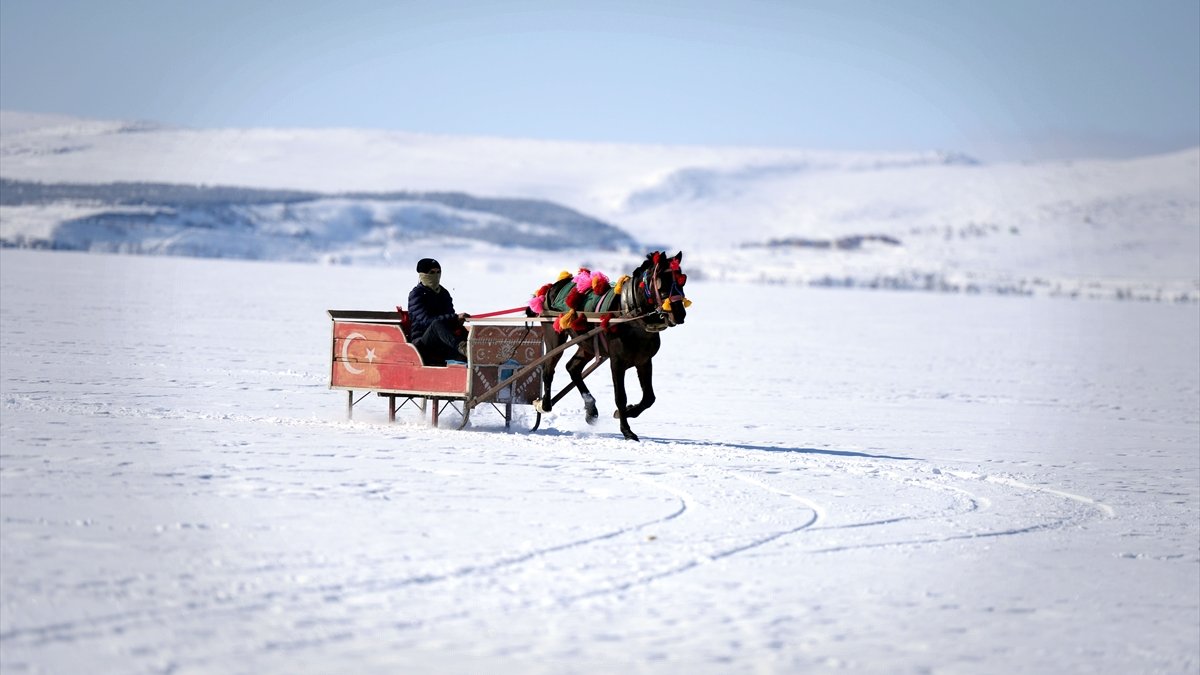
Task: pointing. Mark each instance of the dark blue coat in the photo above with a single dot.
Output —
(425, 307)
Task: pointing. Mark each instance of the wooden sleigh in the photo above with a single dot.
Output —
(372, 355)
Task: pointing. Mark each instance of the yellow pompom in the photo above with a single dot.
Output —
(565, 320)
(686, 303)
(667, 305)
(620, 283)
(564, 275)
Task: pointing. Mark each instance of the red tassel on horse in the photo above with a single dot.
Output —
(575, 299)
(604, 323)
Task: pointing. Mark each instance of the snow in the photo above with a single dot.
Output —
(829, 481)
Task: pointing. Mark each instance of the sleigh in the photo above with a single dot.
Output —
(371, 354)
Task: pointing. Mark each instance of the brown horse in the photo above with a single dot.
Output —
(650, 301)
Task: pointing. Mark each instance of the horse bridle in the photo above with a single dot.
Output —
(658, 308)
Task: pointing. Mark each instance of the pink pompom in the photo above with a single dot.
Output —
(537, 304)
(583, 280)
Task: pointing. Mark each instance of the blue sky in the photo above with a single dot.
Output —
(1011, 79)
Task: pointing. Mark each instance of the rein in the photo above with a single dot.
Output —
(514, 310)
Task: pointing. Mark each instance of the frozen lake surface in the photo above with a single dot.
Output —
(830, 481)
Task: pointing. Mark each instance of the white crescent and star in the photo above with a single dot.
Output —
(346, 354)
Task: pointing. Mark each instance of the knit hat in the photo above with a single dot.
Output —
(426, 264)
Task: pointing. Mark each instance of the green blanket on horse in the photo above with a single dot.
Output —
(586, 291)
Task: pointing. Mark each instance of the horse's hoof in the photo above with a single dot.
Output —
(592, 417)
(537, 406)
(629, 435)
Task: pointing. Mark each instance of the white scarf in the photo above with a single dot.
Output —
(431, 280)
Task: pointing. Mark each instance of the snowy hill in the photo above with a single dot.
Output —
(219, 222)
(932, 220)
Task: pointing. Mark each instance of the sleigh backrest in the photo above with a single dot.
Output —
(370, 351)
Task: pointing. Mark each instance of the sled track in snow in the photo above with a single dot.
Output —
(717, 491)
(561, 591)
(69, 631)
(842, 460)
(644, 578)
(1002, 498)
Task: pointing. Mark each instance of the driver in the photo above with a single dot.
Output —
(436, 331)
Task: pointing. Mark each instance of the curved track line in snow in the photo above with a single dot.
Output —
(67, 630)
(1103, 508)
(982, 503)
(373, 586)
(941, 540)
(979, 503)
(818, 512)
(917, 477)
(872, 523)
(684, 497)
(976, 502)
(691, 564)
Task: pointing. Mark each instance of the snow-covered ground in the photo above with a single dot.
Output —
(831, 480)
(918, 220)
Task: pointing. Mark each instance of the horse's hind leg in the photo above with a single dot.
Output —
(575, 370)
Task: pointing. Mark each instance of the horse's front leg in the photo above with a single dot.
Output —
(575, 370)
(618, 373)
(646, 378)
(543, 404)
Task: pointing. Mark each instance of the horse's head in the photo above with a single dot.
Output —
(664, 281)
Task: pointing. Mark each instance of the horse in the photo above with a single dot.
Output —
(633, 313)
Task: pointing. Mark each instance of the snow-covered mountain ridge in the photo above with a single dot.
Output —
(221, 222)
(921, 220)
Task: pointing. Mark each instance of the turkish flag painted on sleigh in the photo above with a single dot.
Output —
(376, 356)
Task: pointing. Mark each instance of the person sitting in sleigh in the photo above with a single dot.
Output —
(436, 330)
